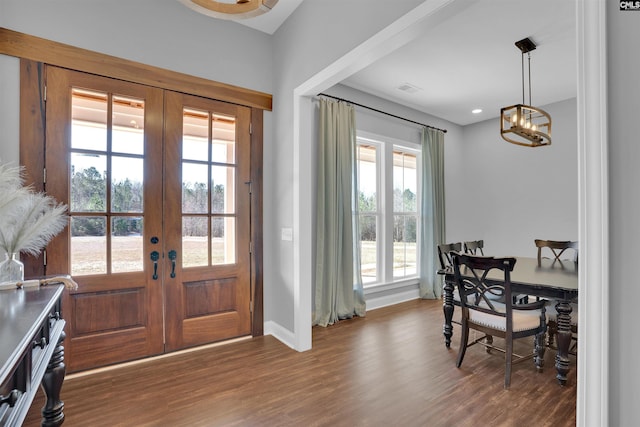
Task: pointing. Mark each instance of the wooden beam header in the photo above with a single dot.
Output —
(37, 49)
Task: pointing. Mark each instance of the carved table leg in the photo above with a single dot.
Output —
(447, 307)
(52, 412)
(564, 340)
(539, 350)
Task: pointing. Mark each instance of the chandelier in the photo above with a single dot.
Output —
(231, 9)
(523, 124)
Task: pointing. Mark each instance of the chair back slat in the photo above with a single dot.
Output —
(474, 247)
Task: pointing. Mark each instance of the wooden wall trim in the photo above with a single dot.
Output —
(37, 49)
(257, 227)
(32, 124)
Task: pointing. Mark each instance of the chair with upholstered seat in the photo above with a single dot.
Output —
(487, 306)
(556, 249)
(443, 253)
(474, 247)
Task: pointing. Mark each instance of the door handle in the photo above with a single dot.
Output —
(155, 256)
(172, 256)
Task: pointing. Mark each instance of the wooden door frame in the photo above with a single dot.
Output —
(35, 53)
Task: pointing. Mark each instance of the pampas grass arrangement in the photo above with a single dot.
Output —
(28, 219)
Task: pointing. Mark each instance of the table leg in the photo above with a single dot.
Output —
(447, 307)
(52, 412)
(538, 352)
(563, 309)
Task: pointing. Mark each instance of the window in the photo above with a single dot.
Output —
(388, 206)
(106, 188)
(208, 188)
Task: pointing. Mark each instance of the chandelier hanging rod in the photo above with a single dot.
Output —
(526, 46)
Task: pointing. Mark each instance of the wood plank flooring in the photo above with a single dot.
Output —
(390, 368)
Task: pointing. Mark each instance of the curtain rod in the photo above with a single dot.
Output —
(382, 112)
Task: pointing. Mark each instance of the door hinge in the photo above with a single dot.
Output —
(251, 306)
(44, 257)
(251, 247)
(44, 95)
(44, 175)
(250, 129)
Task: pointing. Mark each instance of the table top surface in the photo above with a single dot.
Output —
(22, 311)
(550, 274)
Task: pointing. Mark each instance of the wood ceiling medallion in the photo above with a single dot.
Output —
(240, 9)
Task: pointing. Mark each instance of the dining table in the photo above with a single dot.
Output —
(549, 279)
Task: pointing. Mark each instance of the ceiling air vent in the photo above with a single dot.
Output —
(408, 88)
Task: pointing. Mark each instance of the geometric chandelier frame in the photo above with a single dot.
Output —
(523, 124)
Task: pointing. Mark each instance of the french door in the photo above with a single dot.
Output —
(158, 239)
(206, 212)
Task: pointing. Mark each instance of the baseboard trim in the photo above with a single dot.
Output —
(280, 333)
(378, 301)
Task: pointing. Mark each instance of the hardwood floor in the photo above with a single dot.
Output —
(389, 368)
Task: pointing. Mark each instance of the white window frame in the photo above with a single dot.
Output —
(384, 190)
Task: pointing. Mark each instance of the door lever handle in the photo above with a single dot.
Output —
(172, 256)
(155, 256)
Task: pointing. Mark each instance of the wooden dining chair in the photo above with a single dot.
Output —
(444, 256)
(443, 253)
(558, 248)
(500, 317)
(474, 247)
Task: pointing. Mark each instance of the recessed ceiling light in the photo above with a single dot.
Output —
(477, 111)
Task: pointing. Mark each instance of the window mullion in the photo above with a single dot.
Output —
(386, 179)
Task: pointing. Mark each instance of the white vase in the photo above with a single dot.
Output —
(11, 269)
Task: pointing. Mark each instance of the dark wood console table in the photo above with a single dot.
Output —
(31, 353)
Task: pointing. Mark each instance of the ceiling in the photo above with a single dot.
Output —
(470, 60)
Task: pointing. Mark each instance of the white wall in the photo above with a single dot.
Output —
(318, 33)
(171, 36)
(380, 124)
(509, 195)
(623, 36)
(9, 111)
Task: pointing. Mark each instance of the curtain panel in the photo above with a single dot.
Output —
(432, 230)
(338, 285)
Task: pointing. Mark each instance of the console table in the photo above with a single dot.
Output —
(31, 353)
